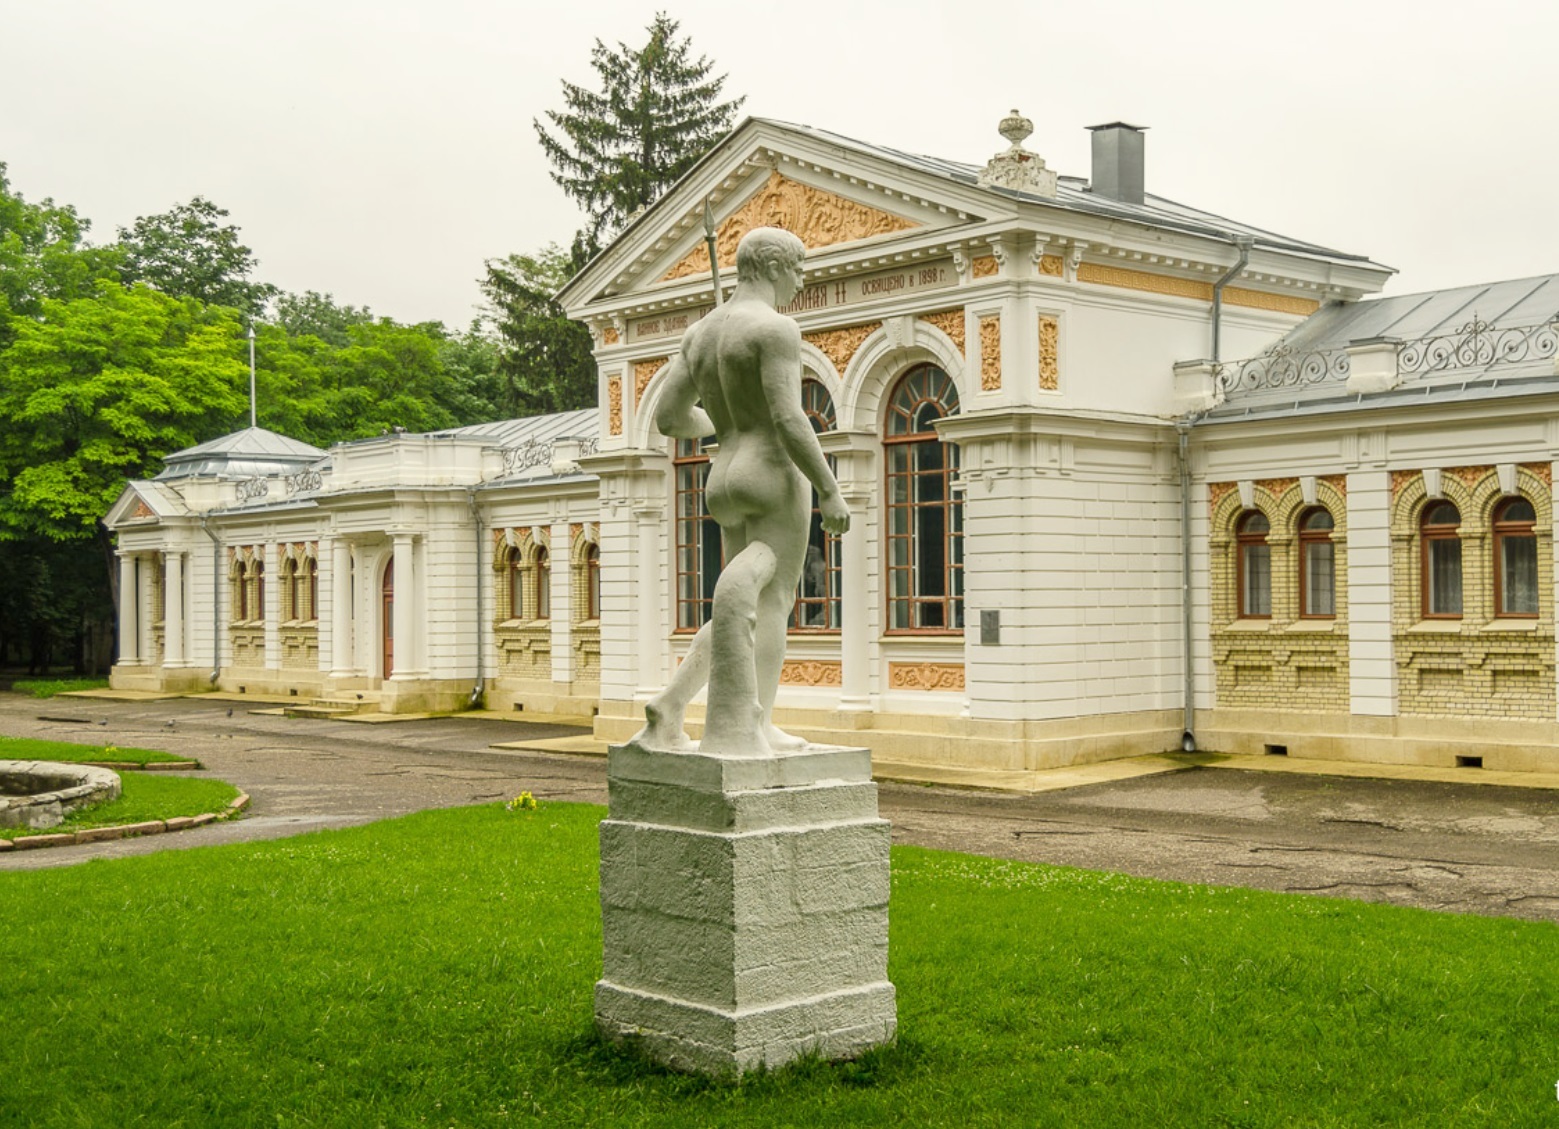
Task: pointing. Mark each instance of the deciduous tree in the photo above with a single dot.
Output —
(187, 252)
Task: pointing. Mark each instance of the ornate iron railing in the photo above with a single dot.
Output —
(251, 488)
(303, 482)
(536, 452)
(1479, 345)
(1284, 367)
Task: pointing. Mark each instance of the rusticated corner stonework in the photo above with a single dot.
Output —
(990, 353)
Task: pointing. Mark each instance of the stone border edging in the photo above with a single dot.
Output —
(125, 830)
(149, 766)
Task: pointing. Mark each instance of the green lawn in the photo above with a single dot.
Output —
(142, 798)
(29, 749)
(48, 687)
(437, 970)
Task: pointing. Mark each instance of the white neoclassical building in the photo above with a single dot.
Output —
(1125, 475)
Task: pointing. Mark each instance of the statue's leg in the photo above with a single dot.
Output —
(665, 713)
(734, 718)
(786, 529)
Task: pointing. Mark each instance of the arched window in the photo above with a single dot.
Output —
(699, 555)
(1317, 564)
(817, 592)
(1515, 559)
(925, 519)
(300, 580)
(516, 584)
(1254, 567)
(593, 581)
(1441, 561)
(257, 590)
(543, 608)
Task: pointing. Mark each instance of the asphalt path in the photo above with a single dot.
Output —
(1456, 847)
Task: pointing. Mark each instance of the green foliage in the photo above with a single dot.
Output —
(55, 606)
(34, 749)
(312, 314)
(53, 687)
(99, 389)
(188, 252)
(545, 363)
(448, 958)
(43, 254)
(617, 149)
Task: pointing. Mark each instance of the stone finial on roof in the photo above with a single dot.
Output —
(1015, 167)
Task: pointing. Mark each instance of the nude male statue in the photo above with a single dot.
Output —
(743, 364)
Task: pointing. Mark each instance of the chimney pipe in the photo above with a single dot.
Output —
(1117, 161)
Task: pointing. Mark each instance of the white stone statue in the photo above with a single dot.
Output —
(742, 363)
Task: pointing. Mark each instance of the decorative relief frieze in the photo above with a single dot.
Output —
(614, 405)
(1277, 487)
(1217, 492)
(1104, 275)
(985, 266)
(950, 322)
(1469, 476)
(609, 335)
(811, 672)
(925, 676)
(1338, 482)
(1400, 480)
(990, 353)
(1049, 353)
(818, 218)
(839, 345)
(142, 510)
(1262, 300)
(1543, 472)
(1052, 265)
(643, 373)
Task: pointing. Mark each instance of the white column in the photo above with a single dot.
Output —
(272, 607)
(855, 467)
(146, 647)
(649, 628)
(405, 612)
(341, 663)
(173, 609)
(129, 612)
(561, 557)
(1372, 672)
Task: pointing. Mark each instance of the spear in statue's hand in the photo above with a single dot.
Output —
(714, 257)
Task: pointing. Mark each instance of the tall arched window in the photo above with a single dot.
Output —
(699, 555)
(300, 579)
(543, 608)
(593, 581)
(925, 519)
(817, 592)
(1254, 565)
(1317, 564)
(1441, 560)
(257, 588)
(516, 573)
(1515, 559)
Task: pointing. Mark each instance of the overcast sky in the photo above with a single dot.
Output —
(382, 150)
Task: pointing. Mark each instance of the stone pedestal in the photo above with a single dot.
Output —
(744, 904)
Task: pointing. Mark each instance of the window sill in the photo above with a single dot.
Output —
(1436, 627)
(1250, 626)
(813, 632)
(1515, 625)
(1313, 627)
(935, 638)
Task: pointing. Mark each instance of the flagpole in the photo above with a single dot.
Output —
(252, 413)
(714, 258)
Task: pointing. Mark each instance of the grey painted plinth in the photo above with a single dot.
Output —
(744, 903)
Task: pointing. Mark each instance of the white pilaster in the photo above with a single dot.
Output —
(272, 606)
(561, 557)
(146, 647)
(1372, 673)
(339, 645)
(129, 612)
(173, 609)
(855, 468)
(651, 626)
(405, 609)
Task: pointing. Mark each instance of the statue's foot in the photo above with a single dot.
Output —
(663, 730)
(782, 742)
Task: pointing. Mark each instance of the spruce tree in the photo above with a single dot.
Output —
(657, 112)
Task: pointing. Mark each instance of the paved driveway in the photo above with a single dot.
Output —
(1475, 849)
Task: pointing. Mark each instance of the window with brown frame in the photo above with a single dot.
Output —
(1440, 548)
(1253, 568)
(1317, 565)
(257, 581)
(925, 517)
(301, 580)
(543, 609)
(699, 552)
(593, 581)
(1515, 559)
(516, 584)
(817, 592)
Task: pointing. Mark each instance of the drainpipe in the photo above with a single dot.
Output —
(216, 602)
(481, 641)
(1243, 243)
(1183, 433)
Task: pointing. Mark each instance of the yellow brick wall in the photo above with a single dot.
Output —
(1478, 666)
(1285, 662)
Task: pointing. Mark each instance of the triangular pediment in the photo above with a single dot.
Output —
(144, 503)
(819, 218)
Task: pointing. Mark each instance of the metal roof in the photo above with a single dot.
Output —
(579, 424)
(249, 453)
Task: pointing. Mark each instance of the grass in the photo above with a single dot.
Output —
(30, 749)
(48, 687)
(143, 798)
(437, 970)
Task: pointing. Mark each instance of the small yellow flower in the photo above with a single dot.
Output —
(523, 802)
